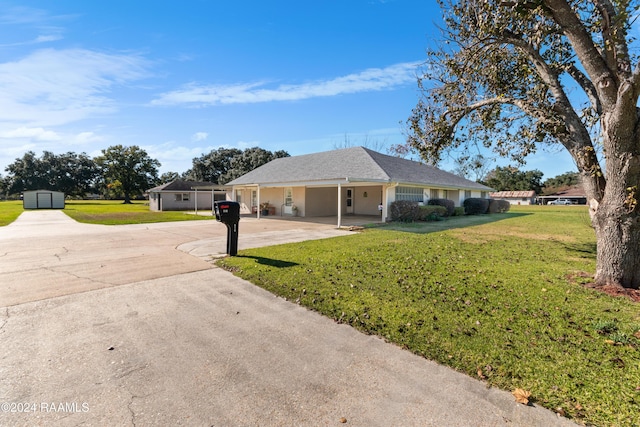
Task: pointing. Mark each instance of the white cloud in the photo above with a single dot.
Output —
(47, 38)
(87, 137)
(243, 145)
(33, 134)
(199, 136)
(53, 87)
(39, 39)
(373, 79)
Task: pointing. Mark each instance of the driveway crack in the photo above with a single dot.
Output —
(5, 319)
(131, 411)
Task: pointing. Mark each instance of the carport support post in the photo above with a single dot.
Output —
(339, 205)
(258, 202)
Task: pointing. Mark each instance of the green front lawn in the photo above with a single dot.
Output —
(114, 212)
(9, 211)
(107, 212)
(501, 300)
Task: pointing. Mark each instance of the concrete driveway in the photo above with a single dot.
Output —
(133, 325)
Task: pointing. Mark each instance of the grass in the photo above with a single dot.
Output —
(114, 212)
(107, 212)
(500, 300)
(9, 211)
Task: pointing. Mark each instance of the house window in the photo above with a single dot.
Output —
(254, 198)
(239, 196)
(412, 194)
(182, 197)
(483, 195)
(445, 194)
(288, 196)
(467, 194)
(435, 193)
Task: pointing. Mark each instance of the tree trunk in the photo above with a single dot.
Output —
(618, 246)
(616, 217)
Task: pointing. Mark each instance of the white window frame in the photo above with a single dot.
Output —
(412, 194)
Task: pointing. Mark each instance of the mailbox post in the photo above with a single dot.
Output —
(228, 213)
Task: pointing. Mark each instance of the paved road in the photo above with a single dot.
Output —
(132, 325)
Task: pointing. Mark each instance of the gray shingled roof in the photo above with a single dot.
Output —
(352, 164)
(181, 185)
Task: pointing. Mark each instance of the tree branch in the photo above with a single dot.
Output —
(587, 86)
(615, 45)
(604, 78)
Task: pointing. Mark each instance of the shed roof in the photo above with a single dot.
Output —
(512, 194)
(352, 165)
(42, 191)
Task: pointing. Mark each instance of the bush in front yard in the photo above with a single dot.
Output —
(405, 211)
(448, 204)
(432, 213)
(499, 206)
(476, 206)
(458, 211)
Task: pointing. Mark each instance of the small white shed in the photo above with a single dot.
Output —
(43, 199)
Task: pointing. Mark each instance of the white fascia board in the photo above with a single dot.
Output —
(442, 186)
(318, 183)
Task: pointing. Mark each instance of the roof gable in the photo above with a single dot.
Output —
(180, 185)
(352, 164)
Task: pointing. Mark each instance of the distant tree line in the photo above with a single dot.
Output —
(226, 164)
(122, 172)
(513, 179)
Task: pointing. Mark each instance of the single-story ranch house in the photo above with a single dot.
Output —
(182, 195)
(350, 181)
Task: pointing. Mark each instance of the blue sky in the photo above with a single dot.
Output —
(182, 78)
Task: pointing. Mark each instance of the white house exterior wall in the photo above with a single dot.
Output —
(321, 201)
(520, 201)
(166, 201)
(367, 199)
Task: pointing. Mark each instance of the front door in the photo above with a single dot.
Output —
(349, 200)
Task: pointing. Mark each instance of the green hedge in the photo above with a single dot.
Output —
(476, 206)
(448, 204)
(404, 211)
(499, 206)
(432, 213)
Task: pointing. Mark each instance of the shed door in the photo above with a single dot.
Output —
(44, 200)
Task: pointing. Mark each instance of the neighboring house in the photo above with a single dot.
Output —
(43, 199)
(182, 195)
(515, 197)
(350, 181)
(575, 194)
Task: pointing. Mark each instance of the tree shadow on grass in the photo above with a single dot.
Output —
(270, 262)
(451, 223)
(586, 250)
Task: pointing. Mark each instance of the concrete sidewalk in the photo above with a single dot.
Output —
(204, 347)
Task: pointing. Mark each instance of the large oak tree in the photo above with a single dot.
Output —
(520, 74)
(130, 168)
